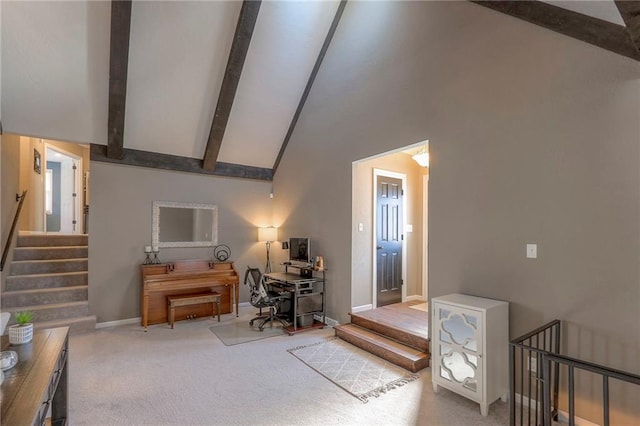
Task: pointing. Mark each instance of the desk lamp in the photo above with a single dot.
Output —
(268, 235)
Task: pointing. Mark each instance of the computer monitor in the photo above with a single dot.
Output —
(299, 250)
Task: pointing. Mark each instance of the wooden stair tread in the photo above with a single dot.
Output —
(384, 342)
(391, 325)
(47, 306)
(57, 274)
(24, 248)
(75, 259)
(45, 290)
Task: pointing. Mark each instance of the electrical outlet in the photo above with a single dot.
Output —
(532, 364)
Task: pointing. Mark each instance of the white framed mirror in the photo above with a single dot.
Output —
(184, 225)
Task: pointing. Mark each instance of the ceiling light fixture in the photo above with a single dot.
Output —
(422, 158)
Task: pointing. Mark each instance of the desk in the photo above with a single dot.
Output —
(305, 294)
(38, 381)
(186, 277)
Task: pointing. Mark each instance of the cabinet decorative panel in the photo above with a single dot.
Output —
(470, 347)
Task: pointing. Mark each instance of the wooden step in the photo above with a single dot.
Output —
(390, 329)
(395, 352)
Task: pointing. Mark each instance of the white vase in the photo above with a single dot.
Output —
(20, 334)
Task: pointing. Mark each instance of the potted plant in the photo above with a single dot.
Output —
(22, 331)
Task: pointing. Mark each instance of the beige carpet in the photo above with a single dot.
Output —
(187, 376)
(240, 332)
(358, 372)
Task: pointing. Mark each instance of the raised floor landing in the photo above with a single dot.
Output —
(397, 333)
(411, 317)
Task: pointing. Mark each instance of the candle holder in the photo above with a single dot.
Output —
(155, 260)
(147, 252)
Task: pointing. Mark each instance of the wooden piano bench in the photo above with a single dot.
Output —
(192, 299)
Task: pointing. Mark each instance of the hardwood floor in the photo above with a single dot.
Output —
(402, 316)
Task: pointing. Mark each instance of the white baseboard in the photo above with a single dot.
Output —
(563, 416)
(329, 321)
(119, 322)
(414, 297)
(356, 309)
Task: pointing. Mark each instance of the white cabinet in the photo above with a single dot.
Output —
(470, 347)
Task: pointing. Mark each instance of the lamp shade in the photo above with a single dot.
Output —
(269, 233)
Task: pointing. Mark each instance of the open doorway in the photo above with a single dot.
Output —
(410, 263)
(62, 191)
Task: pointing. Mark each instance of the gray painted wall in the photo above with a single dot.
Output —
(534, 138)
(10, 176)
(32, 218)
(55, 69)
(120, 224)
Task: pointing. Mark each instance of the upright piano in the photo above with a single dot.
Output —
(186, 277)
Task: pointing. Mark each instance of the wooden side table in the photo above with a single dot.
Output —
(39, 380)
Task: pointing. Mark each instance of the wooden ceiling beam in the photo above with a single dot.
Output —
(312, 77)
(118, 65)
(591, 30)
(239, 48)
(630, 12)
(155, 160)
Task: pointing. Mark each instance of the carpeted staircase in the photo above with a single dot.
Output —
(386, 340)
(49, 277)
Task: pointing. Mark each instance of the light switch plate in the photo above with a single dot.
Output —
(532, 251)
(409, 228)
(361, 227)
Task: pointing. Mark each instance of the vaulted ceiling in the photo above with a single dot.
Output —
(217, 87)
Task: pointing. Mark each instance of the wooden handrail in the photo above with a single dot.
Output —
(5, 252)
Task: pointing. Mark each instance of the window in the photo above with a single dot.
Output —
(48, 191)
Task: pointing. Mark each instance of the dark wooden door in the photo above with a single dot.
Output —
(389, 240)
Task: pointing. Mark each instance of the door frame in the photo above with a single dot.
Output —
(425, 237)
(374, 285)
(78, 187)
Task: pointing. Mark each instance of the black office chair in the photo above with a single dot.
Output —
(261, 298)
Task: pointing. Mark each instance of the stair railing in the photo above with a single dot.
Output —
(5, 252)
(535, 374)
(572, 364)
(527, 405)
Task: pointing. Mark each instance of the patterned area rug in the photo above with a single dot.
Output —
(358, 372)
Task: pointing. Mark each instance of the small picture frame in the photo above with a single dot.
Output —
(37, 162)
